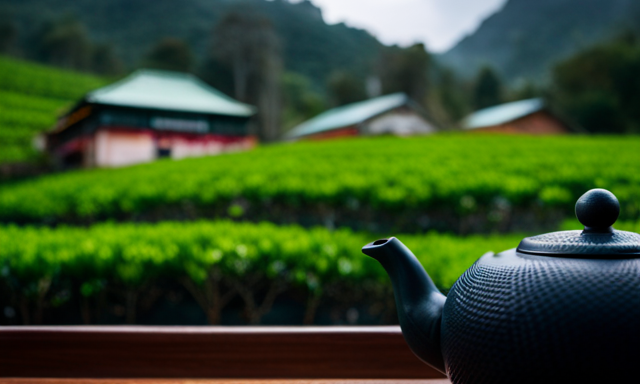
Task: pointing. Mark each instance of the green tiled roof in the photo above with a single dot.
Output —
(167, 90)
(349, 114)
(502, 113)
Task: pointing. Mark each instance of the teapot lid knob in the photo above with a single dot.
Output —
(597, 210)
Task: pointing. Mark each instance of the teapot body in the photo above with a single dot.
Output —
(520, 318)
(563, 307)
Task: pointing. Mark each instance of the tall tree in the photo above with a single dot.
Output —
(345, 87)
(170, 54)
(300, 101)
(451, 95)
(8, 33)
(247, 44)
(600, 87)
(270, 94)
(406, 70)
(64, 42)
(488, 89)
(525, 90)
(105, 61)
(244, 42)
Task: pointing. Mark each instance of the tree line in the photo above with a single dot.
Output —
(597, 87)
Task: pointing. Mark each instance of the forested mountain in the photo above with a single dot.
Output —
(526, 37)
(309, 46)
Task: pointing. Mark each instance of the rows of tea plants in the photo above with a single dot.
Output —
(460, 174)
(31, 98)
(19, 124)
(45, 267)
(40, 80)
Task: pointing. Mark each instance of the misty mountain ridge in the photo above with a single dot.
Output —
(522, 40)
(525, 38)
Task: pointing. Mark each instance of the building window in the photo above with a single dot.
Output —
(163, 148)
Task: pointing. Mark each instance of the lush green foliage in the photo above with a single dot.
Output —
(170, 54)
(31, 97)
(133, 253)
(309, 46)
(300, 101)
(133, 256)
(453, 172)
(488, 89)
(39, 80)
(600, 87)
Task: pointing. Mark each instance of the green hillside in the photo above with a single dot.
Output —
(525, 37)
(463, 183)
(309, 46)
(31, 98)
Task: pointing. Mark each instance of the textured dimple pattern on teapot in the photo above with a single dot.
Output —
(575, 243)
(534, 319)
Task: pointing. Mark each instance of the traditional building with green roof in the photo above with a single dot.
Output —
(148, 115)
(393, 114)
(531, 116)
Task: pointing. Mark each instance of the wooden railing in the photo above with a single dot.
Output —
(209, 352)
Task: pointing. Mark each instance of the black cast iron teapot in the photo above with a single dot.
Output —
(562, 307)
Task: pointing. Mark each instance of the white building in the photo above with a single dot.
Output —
(394, 114)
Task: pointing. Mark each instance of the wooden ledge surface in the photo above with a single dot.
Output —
(182, 330)
(215, 381)
(130, 352)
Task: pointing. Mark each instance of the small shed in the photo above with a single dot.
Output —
(529, 116)
(148, 115)
(393, 114)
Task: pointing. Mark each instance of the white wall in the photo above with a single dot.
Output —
(181, 148)
(398, 123)
(184, 148)
(115, 149)
(118, 148)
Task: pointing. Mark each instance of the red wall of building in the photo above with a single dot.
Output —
(538, 123)
(120, 146)
(340, 132)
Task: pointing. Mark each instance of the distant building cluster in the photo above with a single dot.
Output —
(160, 114)
(397, 114)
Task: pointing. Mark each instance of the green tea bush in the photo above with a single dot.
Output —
(457, 175)
(40, 80)
(215, 261)
(32, 96)
(22, 101)
(12, 117)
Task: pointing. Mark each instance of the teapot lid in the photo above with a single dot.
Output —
(597, 210)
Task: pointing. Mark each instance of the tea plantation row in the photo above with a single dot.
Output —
(31, 98)
(216, 261)
(404, 181)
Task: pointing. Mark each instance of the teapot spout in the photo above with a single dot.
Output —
(418, 300)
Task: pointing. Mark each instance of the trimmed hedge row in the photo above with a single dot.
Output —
(40, 80)
(31, 98)
(215, 261)
(456, 174)
(18, 127)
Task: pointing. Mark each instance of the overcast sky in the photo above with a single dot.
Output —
(437, 23)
